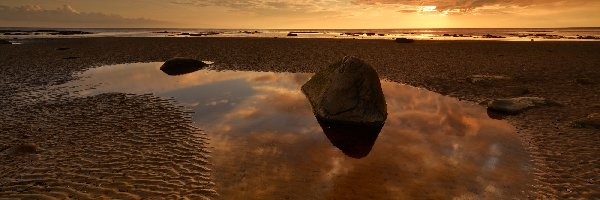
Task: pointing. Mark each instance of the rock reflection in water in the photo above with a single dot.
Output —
(354, 140)
(267, 143)
(179, 71)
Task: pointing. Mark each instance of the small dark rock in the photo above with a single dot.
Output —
(590, 121)
(404, 40)
(584, 81)
(292, 34)
(4, 42)
(22, 149)
(492, 36)
(180, 66)
(587, 37)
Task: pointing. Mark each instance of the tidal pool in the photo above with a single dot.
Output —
(268, 145)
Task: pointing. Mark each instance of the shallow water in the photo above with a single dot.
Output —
(268, 145)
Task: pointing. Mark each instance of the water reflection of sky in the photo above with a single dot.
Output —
(268, 145)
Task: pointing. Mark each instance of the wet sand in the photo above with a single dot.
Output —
(109, 146)
(566, 159)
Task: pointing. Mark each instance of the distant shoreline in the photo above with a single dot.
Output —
(502, 34)
(195, 28)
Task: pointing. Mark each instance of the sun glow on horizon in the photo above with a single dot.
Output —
(427, 8)
(299, 14)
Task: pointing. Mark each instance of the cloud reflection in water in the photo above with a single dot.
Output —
(268, 145)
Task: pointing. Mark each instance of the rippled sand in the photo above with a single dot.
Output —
(108, 146)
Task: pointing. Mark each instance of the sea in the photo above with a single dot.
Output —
(506, 34)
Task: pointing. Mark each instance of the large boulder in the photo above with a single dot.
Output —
(347, 92)
(180, 66)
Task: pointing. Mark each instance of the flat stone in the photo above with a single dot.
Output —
(517, 105)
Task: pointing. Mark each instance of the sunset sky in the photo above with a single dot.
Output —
(300, 13)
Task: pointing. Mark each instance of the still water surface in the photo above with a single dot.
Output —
(268, 145)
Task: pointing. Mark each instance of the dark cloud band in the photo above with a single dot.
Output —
(34, 15)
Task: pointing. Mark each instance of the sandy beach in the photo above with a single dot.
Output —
(36, 120)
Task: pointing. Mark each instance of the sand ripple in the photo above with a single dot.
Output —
(109, 146)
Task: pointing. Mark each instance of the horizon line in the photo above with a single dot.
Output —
(31, 27)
